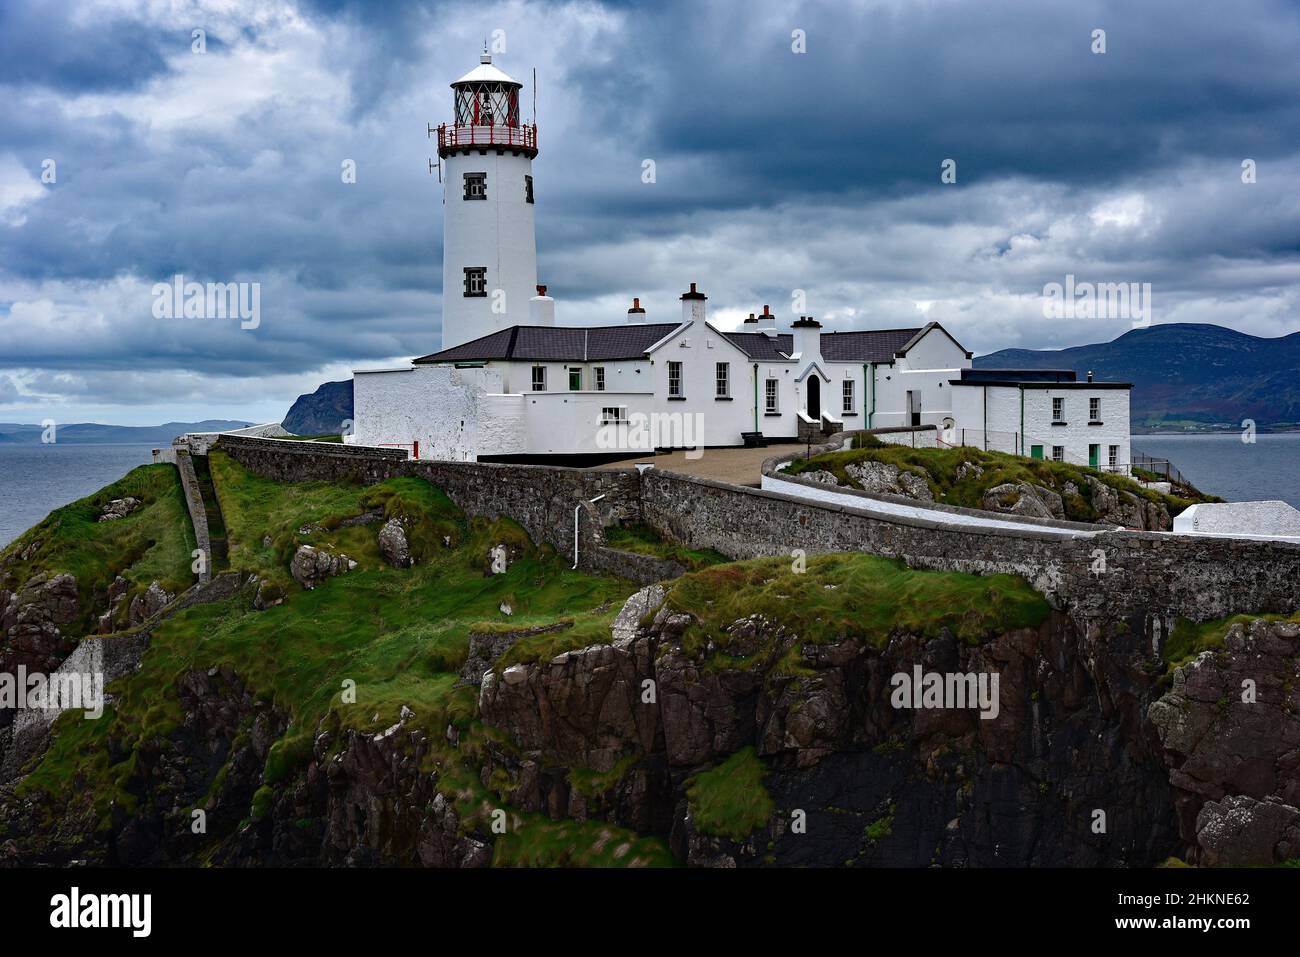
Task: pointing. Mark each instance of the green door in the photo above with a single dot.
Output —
(1035, 451)
(1094, 455)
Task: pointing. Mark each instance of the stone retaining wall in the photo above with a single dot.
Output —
(198, 514)
(541, 498)
(1150, 578)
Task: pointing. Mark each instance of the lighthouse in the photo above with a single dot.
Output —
(489, 249)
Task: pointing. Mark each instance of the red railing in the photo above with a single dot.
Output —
(524, 136)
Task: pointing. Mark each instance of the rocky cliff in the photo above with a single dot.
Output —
(842, 709)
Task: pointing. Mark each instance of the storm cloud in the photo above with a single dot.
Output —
(126, 157)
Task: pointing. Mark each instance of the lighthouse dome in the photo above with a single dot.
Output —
(485, 72)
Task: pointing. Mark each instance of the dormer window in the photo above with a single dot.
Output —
(476, 185)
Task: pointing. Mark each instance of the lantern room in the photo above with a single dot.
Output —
(487, 113)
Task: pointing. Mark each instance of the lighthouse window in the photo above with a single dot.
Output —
(476, 185)
(528, 188)
(476, 281)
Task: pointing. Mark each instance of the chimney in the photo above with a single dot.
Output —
(807, 338)
(541, 309)
(693, 305)
(636, 313)
(1089, 375)
(767, 323)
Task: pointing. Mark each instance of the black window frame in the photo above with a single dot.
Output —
(476, 186)
(473, 274)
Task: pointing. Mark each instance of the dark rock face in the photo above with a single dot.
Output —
(1082, 765)
(1229, 728)
(144, 606)
(1022, 789)
(1242, 832)
(32, 622)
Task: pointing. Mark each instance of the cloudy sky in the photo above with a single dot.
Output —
(127, 157)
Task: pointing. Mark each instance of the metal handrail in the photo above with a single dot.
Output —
(523, 136)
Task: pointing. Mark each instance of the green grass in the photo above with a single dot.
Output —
(263, 518)
(644, 540)
(880, 828)
(730, 800)
(1189, 639)
(852, 595)
(536, 841)
(400, 635)
(939, 468)
(152, 543)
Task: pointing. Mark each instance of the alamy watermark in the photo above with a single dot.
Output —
(179, 299)
(616, 431)
(62, 691)
(1098, 300)
(933, 690)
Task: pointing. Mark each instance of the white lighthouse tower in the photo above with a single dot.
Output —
(489, 250)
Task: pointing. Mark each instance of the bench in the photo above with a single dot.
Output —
(754, 440)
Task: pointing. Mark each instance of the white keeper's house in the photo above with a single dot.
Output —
(509, 383)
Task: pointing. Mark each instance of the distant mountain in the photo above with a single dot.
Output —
(90, 433)
(323, 412)
(1185, 375)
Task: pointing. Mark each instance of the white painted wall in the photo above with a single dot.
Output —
(438, 406)
(496, 232)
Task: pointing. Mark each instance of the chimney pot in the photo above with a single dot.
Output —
(541, 290)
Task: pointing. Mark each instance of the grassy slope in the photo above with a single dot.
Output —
(1188, 639)
(400, 635)
(939, 468)
(644, 540)
(853, 595)
(730, 800)
(153, 542)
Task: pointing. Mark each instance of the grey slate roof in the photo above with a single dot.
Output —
(871, 345)
(762, 347)
(558, 343)
(631, 340)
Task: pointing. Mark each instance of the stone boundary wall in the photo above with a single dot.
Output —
(642, 569)
(198, 514)
(1149, 578)
(1145, 575)
(541, 498)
